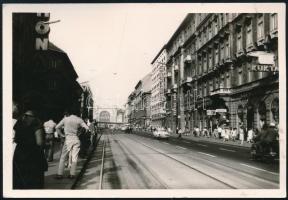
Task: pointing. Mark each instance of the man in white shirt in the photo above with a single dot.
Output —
(71, 147)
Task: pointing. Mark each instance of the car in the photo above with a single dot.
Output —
(161, 134)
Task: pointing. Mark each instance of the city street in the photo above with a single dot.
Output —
(137, 161)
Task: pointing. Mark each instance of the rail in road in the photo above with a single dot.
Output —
(124, 161)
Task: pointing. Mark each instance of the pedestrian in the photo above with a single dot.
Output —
(197, 131)
(29, 163)
(93, 130)
(49, 127)
(219, 129)
(234, 134)
(205, 132)
(180, 132)
(71, 146)
(241, 135)
(250, 135)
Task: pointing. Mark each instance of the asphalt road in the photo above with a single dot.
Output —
(139, 161)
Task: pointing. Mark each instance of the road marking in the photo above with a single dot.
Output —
(206, 154)
(203, 145)
(181, 147)
(227, 150)
(259, 169)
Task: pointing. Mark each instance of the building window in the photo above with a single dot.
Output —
(227, 48)
(205, 90)
(249, 39)
(240, 77)
(250, 77)
(221, 20)
(239, 40)
(273, 22)
(210, 86)
(199, 65)
(260, 27)
(210, 60)
(205, 63)
(215, 27)
(228, 80)
(52, 84)
(216, 81)
(222, 51)
(222, 81)
(216, 55)
(210, 32)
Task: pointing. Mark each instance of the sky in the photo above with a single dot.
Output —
(112, 46)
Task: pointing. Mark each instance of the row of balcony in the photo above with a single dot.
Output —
(219, 91)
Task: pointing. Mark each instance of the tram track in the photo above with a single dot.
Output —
(128, 153)
(240, 170)
(186, 165)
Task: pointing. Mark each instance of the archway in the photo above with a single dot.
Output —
(104, 116)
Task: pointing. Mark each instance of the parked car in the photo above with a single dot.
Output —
(161, 133)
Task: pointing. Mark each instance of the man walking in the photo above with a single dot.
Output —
(71, 147)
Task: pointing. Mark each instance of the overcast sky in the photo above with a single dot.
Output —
(112, 46)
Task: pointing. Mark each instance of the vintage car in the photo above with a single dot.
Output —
(161, 133)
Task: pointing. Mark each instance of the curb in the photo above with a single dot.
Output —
(83, 169)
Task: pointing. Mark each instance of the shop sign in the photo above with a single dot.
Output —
(42, 29)
(264, 68)
(221, 110)
(211, 112)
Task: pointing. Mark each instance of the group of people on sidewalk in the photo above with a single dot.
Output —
(34, 145)
(227, 133)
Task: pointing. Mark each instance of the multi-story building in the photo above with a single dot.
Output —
(158, 111)
(42, 73)
(224, 69)
(139, 111)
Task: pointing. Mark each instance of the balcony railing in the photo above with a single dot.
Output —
(221, 91)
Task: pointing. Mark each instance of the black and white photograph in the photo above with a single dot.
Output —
(144, 100)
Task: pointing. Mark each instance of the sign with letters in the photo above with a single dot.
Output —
(221, 110)
(264, 68)
(42, 29)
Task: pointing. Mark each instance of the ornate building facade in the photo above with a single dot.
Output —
(224, 69)
(158, 111)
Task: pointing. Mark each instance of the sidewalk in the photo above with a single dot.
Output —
(205, 139)
(50, 182)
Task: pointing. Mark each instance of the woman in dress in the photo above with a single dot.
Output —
(29, 163)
